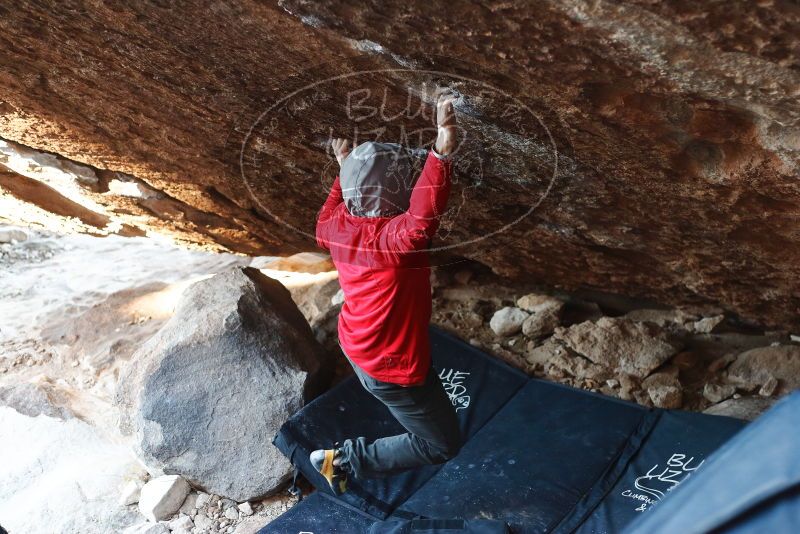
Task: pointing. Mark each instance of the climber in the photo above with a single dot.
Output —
(378, 225)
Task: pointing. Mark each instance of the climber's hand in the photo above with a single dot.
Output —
(341, 148)
(446, 125)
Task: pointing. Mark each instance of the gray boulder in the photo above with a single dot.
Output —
(620, 344)
(204, 397)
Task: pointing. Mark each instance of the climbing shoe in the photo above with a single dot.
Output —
(322, 460)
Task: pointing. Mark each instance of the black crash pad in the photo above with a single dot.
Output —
(440, 526)
(540, 456)
(478, 384)
(675, 449)
(320, 513)
(751, 484)
(534, 461)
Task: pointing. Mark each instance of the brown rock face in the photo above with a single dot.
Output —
(643, 148)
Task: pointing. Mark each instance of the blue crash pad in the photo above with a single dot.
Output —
(320, 513)
(540, 456)
(478, 385)
(533, 462)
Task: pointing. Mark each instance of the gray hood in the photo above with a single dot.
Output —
(377, 178)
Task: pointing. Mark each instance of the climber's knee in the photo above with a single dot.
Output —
(445, 450)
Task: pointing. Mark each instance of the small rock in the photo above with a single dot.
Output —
(664, 389)
(507, 321)
(183, 522)
(535, 303)
(130, 493)
(612, 383)
(162, 496)
(627, 386)
(667, 377)
(246, 508)
(250, 525)
(543, 321)
(188, 503)
(202, 521)
(226, 503)
(337, 298)
(232, 513)
(202, 499)
(717, 393)
(669, 397)
(769, 388)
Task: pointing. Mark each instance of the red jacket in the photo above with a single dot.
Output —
(384, 272)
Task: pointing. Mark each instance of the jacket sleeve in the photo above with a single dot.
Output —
(414, 229)
(325, 217)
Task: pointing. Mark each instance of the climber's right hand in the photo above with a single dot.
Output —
(446, 125)
(341, 148)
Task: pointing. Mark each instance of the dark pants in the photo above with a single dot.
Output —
(427, 413)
